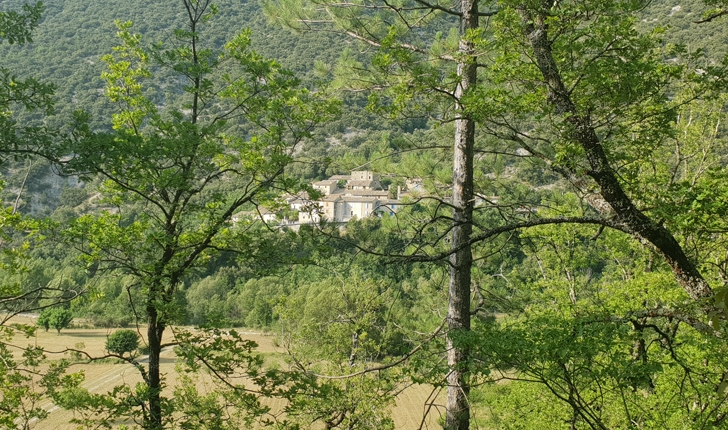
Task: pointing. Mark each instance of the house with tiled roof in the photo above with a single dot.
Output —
(358, 195)
(345, 197)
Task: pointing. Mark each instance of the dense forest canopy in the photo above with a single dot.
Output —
(72, 37)
(558, 255)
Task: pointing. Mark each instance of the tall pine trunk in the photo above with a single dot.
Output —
(461, 260)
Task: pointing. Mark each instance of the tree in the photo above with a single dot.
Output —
(580, 128)
(17, 27)
(572, 86)
(44, 320)
(599, 108)
(30, 94)
(24, 382)
(123, 341)
(338, 327)
(56, 318)
(431, 82)
(177, 177)
(718, 10)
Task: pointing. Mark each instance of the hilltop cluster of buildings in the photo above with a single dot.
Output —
(344, 197)
(358, 195)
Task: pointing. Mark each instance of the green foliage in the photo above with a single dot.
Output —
(68, 47)
(343, 321)
(25, 383)
(233, 402)
(358, 402)
(56, 318)
(123, 341)
(28, 94)
(177, 176)
(593, 317)
(335, 327)
(600, 326)
(43, 320)
(17, 27)
(206, 301)
(583, 326)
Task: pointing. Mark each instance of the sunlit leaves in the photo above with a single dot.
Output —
(125, 70)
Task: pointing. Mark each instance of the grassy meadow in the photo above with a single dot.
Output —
(101, 376)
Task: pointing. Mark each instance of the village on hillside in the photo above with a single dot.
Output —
(344, 197)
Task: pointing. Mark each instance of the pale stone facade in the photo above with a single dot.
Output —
(345, 197)
(358, 195)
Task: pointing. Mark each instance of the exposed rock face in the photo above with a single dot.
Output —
(42, 188)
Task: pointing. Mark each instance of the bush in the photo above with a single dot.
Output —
(123, 341)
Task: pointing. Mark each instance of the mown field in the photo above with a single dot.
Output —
(408, 413)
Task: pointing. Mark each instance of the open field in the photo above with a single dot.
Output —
(408, 412)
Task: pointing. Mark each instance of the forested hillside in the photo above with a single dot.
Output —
(73, 36)
(559, 261)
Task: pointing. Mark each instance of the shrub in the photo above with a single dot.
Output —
(123, 341)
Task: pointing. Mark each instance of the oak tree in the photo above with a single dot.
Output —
(174, 178)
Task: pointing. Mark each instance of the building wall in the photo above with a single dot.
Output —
(349, 209)
(325, 188)
(330, 211)
(360, 200)
(362, 175)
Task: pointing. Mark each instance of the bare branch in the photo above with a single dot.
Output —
(712, 17)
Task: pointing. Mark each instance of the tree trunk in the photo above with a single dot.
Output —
(583, 132)
(461, 261)
(153, 421)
